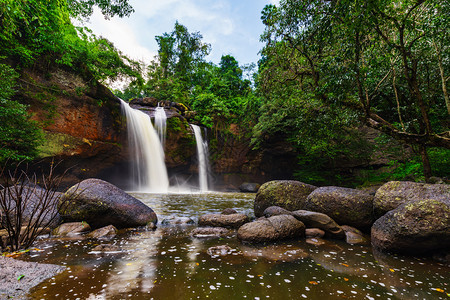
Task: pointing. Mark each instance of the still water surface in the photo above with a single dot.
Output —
(167, 263)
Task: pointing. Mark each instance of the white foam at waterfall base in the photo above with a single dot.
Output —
(149, 173)
(203, 162)
(161, 124)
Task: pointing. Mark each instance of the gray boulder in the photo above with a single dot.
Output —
(343, 205)
(288, 194)
(395, 193)
(275, 228)
(100, 204)
(105, 232)
(414, 228)
(221, 220)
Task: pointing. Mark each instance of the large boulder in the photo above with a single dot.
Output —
(288, 194)
(100, 204)
(344, 205)
(221, 220)
(414, 227)
(275, 228)
(395, 193)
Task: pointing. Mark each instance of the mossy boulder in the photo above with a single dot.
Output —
(344, 205)
(414, 228)
(271, 229)
(395, 193)
(288, 194)
(100, 203)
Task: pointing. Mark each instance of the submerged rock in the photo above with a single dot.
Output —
(100, 204)
(343, 205)
(229, 211)
(271, 229)
(106, 248)
(221, 220)
(72, 228)
(105, 232)
(221, 250)
(395, 193)
(282, 253)
(288, 194)
(414, 228)
(208, 232)
(172, 220)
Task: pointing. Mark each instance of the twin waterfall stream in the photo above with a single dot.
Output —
(146, 145)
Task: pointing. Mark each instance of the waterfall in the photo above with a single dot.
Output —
(160, 124)
(203, 161)
(149, 171)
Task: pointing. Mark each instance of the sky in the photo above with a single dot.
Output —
(230, 26)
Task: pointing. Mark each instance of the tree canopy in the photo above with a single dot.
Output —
(384, 63)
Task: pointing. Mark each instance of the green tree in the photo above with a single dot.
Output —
(372, 58)
(19, 136)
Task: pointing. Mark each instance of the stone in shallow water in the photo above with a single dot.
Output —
(105, 232)
(354, 236)
(414, 228)
(173, 220)
(221, 250)
(106, 248)
(344, 205)
(221, 220)
(229, 211)
(71, 229)
(288, 194)
(100, 204)
(282, 253)
(271, 229)
(208, 232)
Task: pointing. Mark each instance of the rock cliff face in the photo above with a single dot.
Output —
(81, 119)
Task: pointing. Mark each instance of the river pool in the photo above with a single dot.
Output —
(168, 263)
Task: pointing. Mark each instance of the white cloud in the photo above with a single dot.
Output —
(122, 35)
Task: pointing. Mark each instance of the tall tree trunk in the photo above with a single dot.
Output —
(425, 162)
(443, 79)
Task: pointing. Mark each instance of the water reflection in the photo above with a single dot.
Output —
(168, 263)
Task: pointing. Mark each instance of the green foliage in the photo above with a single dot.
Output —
(326, 66)
(19, 136)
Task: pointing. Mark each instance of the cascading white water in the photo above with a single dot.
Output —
(160, 124)
(203, 161)
(149, 170)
